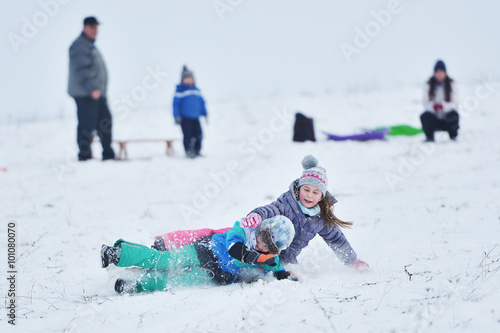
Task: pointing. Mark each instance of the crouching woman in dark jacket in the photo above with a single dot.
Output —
(440, 103)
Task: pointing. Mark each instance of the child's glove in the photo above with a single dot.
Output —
(178, 120)
(266, 259)
(281, 275)
(361, 266)
(255, 258)
(240, 252)
(438, 107)
(251, 221)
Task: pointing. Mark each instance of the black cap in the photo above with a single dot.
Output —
(439, 66)
(91, 20)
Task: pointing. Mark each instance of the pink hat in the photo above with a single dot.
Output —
(313, 174)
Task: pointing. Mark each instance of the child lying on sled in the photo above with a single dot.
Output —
(222, 258)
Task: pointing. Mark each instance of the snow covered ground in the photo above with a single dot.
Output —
(427, 218)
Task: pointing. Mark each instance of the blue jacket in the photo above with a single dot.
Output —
(188, 102)
(306, 227)
(220, 247)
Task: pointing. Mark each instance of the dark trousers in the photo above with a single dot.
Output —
(191, 129)
(93, 115)
(431, 123)
(210, 263)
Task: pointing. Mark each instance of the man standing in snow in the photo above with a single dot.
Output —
(87, 83)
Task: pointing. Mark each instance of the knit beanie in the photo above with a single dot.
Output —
(440, 66)
(313, 174)
(186, 73)
(277, 233)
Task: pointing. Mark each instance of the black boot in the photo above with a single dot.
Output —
(109, 255)
(128, 287)
(159, 245)
(191, 153)
(108, 154)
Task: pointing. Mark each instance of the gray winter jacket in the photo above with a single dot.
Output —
(87, 70)
(306, 227)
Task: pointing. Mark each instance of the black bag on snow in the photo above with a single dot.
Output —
(303, 129)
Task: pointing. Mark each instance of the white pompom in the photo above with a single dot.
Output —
(309, 161)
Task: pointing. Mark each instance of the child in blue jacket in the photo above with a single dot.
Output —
(189, 106)
(240, 254)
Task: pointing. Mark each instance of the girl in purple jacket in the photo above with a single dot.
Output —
(309, 206)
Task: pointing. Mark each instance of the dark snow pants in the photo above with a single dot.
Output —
(191, 129)
(93, 115)
(431, 123)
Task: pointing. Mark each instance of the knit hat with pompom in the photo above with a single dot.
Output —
(186, 73)
(313, 174)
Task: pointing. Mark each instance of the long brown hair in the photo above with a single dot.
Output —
(326, 206)
(330, 219)
(447, 88)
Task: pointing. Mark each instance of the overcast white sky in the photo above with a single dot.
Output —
(256, 49)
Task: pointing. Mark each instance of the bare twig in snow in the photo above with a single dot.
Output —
(327, 315)
(409, 274)
(32, 246)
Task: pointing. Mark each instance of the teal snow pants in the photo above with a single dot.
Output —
(163, 269)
